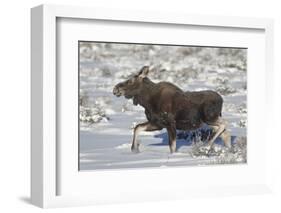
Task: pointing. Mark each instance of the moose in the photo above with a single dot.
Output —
(167, 106)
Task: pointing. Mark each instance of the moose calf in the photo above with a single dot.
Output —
(167, 106)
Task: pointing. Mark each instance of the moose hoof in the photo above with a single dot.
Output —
(173, 151)
(135, 149)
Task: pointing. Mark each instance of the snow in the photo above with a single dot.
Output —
(106, 122)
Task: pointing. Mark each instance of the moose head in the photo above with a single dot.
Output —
(132, 86)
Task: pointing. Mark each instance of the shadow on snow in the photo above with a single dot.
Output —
(188, 138)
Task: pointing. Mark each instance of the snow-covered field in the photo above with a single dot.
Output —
(106, 121)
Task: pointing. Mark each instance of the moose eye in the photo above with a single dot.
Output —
(131, 81)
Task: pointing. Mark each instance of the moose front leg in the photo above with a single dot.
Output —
(147, 126)
(172, 137)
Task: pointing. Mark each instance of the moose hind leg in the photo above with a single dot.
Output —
(147, 126)
(226, 137)
(172, 138)
(219, 127)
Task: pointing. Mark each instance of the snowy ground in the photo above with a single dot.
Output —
(106, 121)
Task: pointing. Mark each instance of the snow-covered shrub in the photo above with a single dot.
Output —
(88, 51)
(187, 51)
(242, 123)
(242, 108)
(225, 89)
(221, 80)
(221, 154)
(93, 109)
(232, 58)
(83, 98)
(92, 114)
(106, 72)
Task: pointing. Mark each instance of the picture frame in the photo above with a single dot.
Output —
(48, 171)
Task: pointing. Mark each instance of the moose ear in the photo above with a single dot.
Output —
(143, 72)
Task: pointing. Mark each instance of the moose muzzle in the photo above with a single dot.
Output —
(116, 91)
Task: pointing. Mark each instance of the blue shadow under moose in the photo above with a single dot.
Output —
(188, 138)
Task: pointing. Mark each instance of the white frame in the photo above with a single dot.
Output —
(43, 92)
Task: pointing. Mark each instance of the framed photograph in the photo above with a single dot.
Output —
(131, 106)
